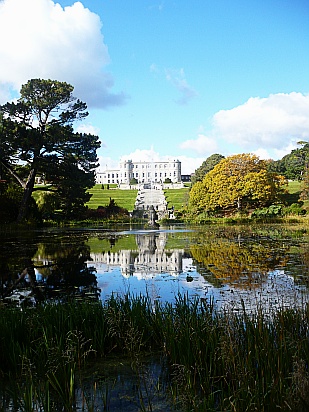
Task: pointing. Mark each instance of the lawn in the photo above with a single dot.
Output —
(101, 197)
(177, 197)
(295, 186)
(126, 198)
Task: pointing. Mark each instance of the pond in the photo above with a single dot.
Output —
(231, 266)
(260, 267)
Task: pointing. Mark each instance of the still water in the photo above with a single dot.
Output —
(263, 267)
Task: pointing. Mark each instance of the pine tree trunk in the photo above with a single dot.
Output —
(24, 206)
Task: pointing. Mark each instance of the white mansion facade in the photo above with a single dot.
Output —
(143, 172)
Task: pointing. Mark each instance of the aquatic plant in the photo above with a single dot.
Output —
(208, 360)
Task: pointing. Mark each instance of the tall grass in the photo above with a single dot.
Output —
(213, 360)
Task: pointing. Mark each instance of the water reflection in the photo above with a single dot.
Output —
(148, 259)
(45, 266)
(232, 266)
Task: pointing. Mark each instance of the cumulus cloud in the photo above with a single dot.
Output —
(88, 128)
(142, 155)
(271, 126)
(202, 144)
(44, 40)
(178, 79)
(190, 164)
(266, 122)
(107, 163)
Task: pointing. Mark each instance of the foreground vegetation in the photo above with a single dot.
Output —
(212, 361)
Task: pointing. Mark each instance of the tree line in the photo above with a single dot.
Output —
(244, 183)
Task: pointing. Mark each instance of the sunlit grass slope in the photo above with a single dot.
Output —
(177, 197)
(126, 198)
(295, 189)
(101, 197)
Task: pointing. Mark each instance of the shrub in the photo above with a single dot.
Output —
(133, 181)
(271, 211)
(295, 209)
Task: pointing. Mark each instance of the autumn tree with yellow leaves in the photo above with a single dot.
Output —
(236, 183)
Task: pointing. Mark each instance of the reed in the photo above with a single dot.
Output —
(211, 360)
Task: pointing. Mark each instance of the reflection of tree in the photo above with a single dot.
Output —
(243, 263)
(65, 270)
(16, 252)
(61, 264)
(299, 268)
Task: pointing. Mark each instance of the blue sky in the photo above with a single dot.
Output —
(172, 78)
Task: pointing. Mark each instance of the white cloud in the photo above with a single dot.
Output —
(202, 145)
(270, 122)
(44, 40)
(159, 6)
(262, 153)
(190, 164)
(279, 153)
(142, 155)
(107, 163)
(88, 128)
(178, 79)
(271, 126)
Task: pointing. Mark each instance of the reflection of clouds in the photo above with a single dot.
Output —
(276, 292)
(164, 274)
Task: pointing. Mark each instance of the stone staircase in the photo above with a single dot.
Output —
(148, 196)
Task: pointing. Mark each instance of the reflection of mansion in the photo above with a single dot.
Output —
(149, 259)
(143, 172)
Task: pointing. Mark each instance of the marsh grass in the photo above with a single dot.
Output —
(209, 360)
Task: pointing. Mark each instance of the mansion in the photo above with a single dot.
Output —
(143, 172)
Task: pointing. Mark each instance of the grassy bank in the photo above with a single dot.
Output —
(177, 197)
(101, 197)
(126, 198)
(213, 361)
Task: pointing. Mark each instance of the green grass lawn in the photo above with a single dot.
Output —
(101, 197)
(295, 188)
(126, 198)
(177, 197)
